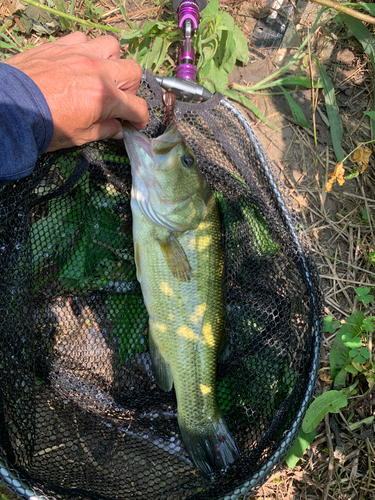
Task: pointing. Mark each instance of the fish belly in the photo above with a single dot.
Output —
(186, 332)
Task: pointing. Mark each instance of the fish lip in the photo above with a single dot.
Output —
(138, 146)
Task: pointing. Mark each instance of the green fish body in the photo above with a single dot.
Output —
(179, 259)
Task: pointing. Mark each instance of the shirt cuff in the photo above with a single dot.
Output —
(26, 125)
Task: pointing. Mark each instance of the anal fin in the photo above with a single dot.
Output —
(176, 258)
(160, 368)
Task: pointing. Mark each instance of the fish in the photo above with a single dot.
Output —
(179, 263)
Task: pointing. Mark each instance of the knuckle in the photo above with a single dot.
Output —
(111, 43)
(88, 64)
(135, 68)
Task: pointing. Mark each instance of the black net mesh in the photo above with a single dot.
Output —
(80, 413)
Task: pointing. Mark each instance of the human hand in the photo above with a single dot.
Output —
(87, 86)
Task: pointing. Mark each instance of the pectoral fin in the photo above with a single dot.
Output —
(176, 258)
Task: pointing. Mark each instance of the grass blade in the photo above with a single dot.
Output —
(124, 14)
(72, 5)
(297, 112)
(248, 104)
(365, 38)
(61, 6)
(287, 80)
(367, 7)
(333, 113)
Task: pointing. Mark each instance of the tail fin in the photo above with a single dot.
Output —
(211, 448)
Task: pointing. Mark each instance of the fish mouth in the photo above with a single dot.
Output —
(138, 146)
(144, 151)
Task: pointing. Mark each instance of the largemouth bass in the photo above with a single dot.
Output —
(179, 259)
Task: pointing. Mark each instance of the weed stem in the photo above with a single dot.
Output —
(346, 10)
(72, 18)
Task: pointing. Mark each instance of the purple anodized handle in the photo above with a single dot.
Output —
(188, 17)
(188, 9)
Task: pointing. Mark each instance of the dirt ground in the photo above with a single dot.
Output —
(339, 463)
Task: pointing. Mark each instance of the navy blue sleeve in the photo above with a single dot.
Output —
(26, 125)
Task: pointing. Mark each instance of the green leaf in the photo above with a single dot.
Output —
(297, 112)
(4, 45)
(340, 378)
(365, 352)
(235, 96)
(348, 340)
(300, 446)
(351, 369)
(226, 54)
(242, 51)
(329, 325)
(212, 8)
(359, 359)
(371, 114)
(50, 237)
(205, 62)
(339, 355)
(328, 402)
(154, 53)
(363, 294)
(226, 21)
(362, 34)
(353, 352)
(369, 324)
(224, 394)
(353, 324)
(333, 113)
(219, 79)
(338, 358)
(362, 291)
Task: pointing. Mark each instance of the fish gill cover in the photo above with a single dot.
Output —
(81, 413)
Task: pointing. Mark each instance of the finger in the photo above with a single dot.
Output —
(105, 129)
(125, 73)
(75, 38)
(103, 47)
(71, 39)
(131, 108)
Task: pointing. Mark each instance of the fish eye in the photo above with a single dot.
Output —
(187, 160)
